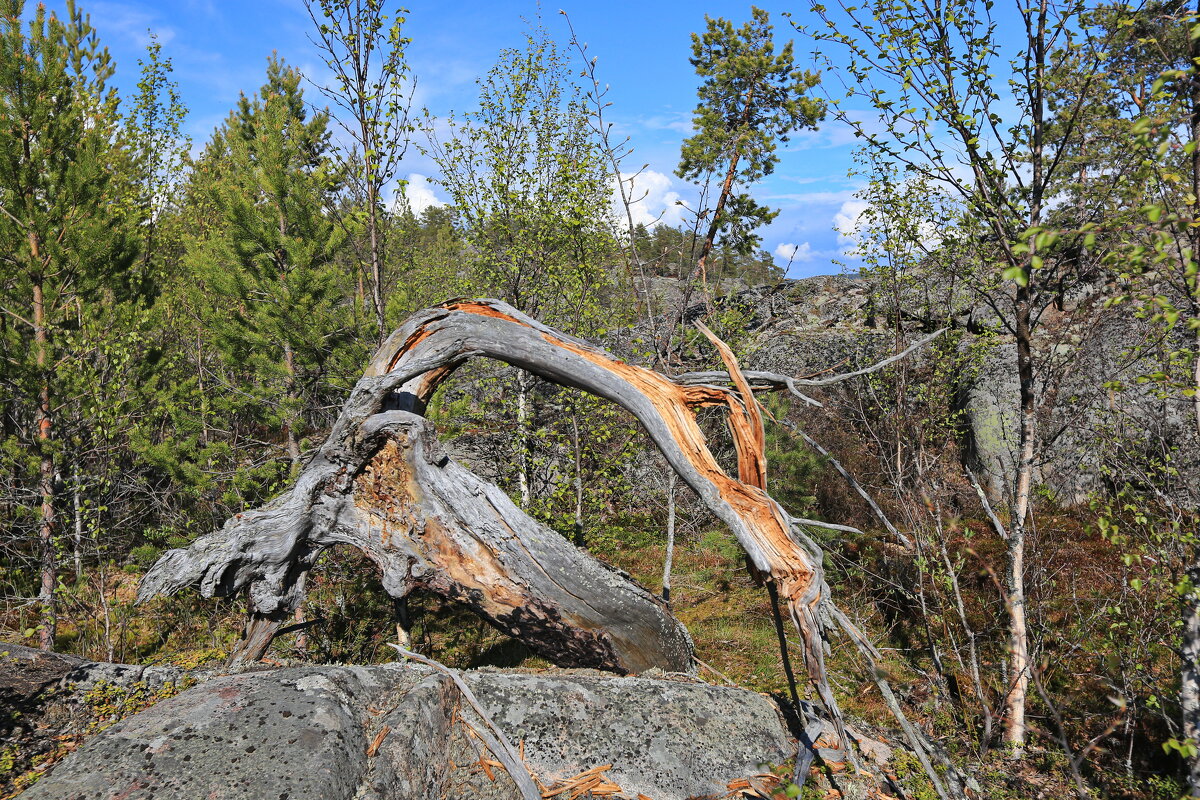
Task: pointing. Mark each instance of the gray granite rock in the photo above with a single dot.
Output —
(403, 731)
(665, 739)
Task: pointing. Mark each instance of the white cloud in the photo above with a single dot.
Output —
(652, 199)
(851, 226)
(846, 222)
(418, 194)
(678, 121)
(129, 22)
(795, 253)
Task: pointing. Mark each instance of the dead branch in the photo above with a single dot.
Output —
(777, 382)
(493, 737)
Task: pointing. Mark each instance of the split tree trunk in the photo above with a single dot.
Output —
(381, 484)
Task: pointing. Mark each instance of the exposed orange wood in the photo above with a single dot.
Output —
(482, 309)
(766, 521)
(388, 492)
(745, 419)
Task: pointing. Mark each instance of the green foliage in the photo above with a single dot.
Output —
(750, 100)
(364, 49)
(67, 240)
(109, 703)
(530, 189)
(269, 291)
(160, 151)
(792, 467)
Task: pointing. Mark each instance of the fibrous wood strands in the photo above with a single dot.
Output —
(383, 484)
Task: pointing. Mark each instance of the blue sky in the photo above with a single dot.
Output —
(219, 48)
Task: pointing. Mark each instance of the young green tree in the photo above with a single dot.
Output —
(274, 294)
(154, 129)
(363, 47)
(64, 233)
(1152, 84)
(529, 186)
(751, 99)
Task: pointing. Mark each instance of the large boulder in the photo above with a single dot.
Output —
(404, 731)
(48, 701)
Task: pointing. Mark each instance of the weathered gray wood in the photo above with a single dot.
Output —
(464, 539)
(270, 549)
(429, 523)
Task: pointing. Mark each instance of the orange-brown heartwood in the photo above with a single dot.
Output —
(382, 483)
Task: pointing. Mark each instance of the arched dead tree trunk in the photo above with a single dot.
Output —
(381, 484)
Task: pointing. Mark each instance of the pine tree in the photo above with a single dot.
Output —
(64, 236)
(751, 99)
(272, 293)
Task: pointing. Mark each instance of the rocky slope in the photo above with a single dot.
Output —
(1096, 414)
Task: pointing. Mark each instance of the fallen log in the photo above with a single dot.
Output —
(334, 501)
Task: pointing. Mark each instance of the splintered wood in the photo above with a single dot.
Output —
(429, 523)
(378, 741)
(590, 782)
(764, 785)
(433, 344)
(462, 328)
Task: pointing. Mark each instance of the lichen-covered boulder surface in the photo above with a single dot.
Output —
(403, 730)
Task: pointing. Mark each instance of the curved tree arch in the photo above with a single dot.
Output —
(382, 483)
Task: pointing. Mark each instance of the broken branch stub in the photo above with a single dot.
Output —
(380, 484)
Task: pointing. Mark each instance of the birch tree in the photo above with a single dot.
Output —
(529, 185)
(929, 72)
(364, 48)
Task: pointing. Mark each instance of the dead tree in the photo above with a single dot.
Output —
(382, 484)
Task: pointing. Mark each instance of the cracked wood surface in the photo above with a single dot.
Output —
(269, 550)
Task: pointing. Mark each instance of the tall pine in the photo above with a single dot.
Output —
(65, 245)
(272, 299)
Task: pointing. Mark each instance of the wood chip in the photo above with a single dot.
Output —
(487, 770)
(585, 786)
(590, 780)
(378, 740)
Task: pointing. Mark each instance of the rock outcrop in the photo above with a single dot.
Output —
(403, 731)
(1093, 402)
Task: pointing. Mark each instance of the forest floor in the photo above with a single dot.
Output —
(729, 617)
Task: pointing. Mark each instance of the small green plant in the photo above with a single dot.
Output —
(109, 703)
(911, 775)
(1164, 787)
